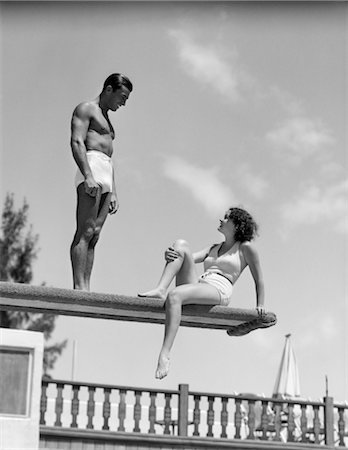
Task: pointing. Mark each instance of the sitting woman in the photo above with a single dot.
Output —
(223, 263)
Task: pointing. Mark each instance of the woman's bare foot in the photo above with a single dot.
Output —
(162, 367)
(155, 293)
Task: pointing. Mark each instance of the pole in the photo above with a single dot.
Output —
(73, 363)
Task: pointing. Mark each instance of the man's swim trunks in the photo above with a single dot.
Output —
(102, 170)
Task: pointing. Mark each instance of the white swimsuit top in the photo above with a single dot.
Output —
(230, 264)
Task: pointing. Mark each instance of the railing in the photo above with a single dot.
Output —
(183, 413)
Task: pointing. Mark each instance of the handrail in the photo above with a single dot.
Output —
(182, 412)
(106, 386)
(17, 296)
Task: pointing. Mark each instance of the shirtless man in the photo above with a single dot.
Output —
(91, 143)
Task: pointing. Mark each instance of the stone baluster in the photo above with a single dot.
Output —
(196, 415)
(316, 424)
(122, 410)
(90, 407)
(152, 412)
(277, 421)
(43, 402)
(224, 417)
(167, 413)
(341, 427)
(264, 420)
(137, 412)
(75, 406)
(238, 418)
(303, 422)
(210, 416)
(251, 419)
(291, 423)
(59, 405)
(106, 408)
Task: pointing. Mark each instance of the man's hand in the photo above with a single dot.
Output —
(114, 205)
(91, 187)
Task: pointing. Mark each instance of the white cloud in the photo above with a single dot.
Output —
(253, 183)
(286, 100)
(319, 326)
(203, 184)
(317, 204)
(211, 65)
(300, 137)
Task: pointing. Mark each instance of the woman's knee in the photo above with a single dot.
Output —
(181, 246)
(174, 298)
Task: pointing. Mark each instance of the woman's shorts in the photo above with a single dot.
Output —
(102, 170)
(222, 284)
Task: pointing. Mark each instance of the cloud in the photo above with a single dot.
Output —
(318, 204)
(211, 65)
(319, 326)
(286, 100)
(203, 184)
(300, 137)
(253, 183)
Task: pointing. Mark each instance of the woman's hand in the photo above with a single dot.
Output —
(261, 310)
(170, 254)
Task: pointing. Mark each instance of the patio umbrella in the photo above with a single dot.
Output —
(287, 384)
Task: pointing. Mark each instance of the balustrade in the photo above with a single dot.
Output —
(184, 413)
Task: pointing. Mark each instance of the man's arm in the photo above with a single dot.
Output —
(114, 205)
(79, 127)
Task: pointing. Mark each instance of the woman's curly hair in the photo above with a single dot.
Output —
(246, 227)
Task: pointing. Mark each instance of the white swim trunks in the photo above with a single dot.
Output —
(102, 170)
(222, 284)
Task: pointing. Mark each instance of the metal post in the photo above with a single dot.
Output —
(183, 409)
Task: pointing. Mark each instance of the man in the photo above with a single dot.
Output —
(91, 143)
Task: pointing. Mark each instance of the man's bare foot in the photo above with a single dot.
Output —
(162, 367)
(81, 288)
(154, 293)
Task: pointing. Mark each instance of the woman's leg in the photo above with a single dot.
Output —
(199, 293)
(183, 268)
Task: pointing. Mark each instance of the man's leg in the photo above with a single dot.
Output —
(102, 215)
(86, 215)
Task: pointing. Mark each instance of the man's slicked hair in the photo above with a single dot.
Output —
(116, 81)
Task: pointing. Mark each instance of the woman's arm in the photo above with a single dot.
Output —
(170, 254)
(252, 259)
(200, 256)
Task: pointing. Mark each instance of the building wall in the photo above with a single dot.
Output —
(21, 354)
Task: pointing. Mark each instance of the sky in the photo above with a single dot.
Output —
(234, 104)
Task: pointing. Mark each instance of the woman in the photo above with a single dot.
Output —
(223, 264)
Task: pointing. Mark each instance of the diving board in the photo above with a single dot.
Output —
(69, 302)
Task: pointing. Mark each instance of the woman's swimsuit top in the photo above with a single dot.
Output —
(230, 264)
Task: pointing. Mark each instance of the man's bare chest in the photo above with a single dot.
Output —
(102, 126)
